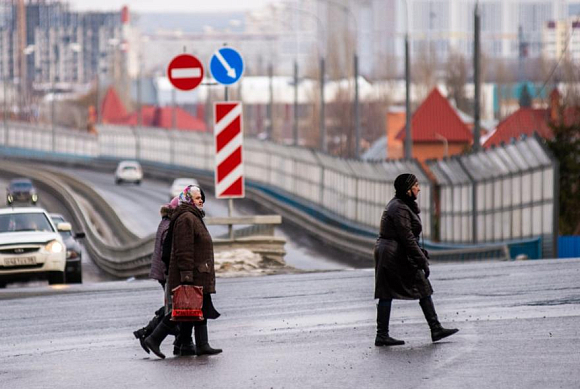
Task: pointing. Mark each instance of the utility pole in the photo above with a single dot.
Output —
(271, 104)
(295, 129)
(139, 100)
(356, 109)
(323, 145)
(408, 132)
(476, 81)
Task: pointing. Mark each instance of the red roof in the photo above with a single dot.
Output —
(436, 118)
(163, 117)
(114, 112)
(523, 121)
(112, 108)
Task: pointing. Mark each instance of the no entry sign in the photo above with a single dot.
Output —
(229, 169)
(185, 72)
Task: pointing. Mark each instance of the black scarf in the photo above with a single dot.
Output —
(403, 183)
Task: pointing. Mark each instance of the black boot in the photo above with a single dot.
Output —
(383, 317)
(437, 330)
(144, 332)
(154, 340)
(183, 344)
(202, 343)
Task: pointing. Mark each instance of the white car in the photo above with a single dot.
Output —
(129, 171)
(30, 247)
(179, 184)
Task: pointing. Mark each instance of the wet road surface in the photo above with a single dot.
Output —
(518, 329)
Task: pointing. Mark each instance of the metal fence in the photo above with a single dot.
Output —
(345, 192)
(506, 193)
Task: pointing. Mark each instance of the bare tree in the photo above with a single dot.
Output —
(571, 76)
(425, 71)
(455, 80)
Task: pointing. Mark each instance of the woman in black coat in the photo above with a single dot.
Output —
(401, 266)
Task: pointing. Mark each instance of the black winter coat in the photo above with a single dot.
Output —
(398, 258)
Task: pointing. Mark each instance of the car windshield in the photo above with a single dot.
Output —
(16, 222)
(129, 168)
(21, 186)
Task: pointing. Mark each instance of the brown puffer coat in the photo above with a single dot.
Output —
(192, 259)
(398, 258)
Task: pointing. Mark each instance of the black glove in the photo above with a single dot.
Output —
(426, 271)
(425, 253)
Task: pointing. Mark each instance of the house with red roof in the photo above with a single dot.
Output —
(524, 121)
(437, 130)
(114, 112)
(527, 121)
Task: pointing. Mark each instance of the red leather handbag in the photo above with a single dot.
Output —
(187, 302)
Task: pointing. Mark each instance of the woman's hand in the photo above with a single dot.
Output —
(426, 271)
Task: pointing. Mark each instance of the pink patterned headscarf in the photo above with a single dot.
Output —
(186, 196)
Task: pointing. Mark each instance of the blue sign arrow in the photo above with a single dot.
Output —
(226, 66)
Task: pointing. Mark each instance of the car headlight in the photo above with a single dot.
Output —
(34, 197)
(71, 254)
(54, 247)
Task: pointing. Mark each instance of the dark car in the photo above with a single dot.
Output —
(73, 270)
(21, 190)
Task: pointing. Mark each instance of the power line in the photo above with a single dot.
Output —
(568, 40)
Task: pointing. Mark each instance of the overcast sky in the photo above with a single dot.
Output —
(170, 5)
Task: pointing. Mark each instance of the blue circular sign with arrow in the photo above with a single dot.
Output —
(226, 66)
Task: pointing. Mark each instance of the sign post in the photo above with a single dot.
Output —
(229, 158)
(227, 67)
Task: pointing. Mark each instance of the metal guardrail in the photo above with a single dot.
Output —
(360, 245)
(128, 255)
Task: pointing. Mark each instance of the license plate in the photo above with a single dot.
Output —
(19, 261)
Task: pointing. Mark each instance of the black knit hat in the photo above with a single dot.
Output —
(404, 182)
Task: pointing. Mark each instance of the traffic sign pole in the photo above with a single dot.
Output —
(230, 201)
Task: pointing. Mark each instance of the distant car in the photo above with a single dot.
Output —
(128, 171)
(21, 190)
(179, 184)
(73, 269)
(30, 247)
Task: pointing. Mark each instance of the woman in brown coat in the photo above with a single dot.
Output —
(192, 263)
(401, 266)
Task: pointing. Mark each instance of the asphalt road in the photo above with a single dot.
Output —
(138, 207)
(519, 328)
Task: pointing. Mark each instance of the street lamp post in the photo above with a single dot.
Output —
(408, 131)
(321, 44)
(348, 11)
(476, 81)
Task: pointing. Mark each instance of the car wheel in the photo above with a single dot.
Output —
(76, 278)
(2, 285)
(56, 278)
(138, 182)
(117, 181)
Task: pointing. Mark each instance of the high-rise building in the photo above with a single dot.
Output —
(562, 38)
(60, 46)
(375, 29)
